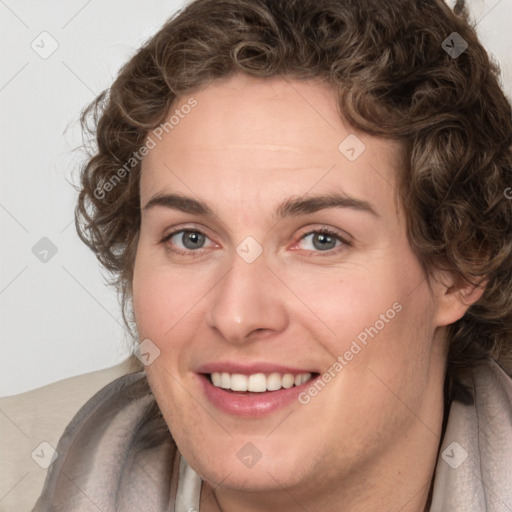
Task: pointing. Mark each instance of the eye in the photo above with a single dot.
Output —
(321, 240)
(186, 240)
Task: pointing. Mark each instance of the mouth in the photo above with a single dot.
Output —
(254, 395)
(258, 383)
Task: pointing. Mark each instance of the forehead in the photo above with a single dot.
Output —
(267, 137)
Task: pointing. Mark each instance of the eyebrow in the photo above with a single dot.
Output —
(304, 205)
(179, 202)
(292, 207)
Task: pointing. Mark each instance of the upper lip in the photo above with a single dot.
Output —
(250, 369)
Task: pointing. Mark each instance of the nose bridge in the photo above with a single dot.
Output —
(246, 300)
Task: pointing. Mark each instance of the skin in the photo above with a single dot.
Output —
(369, 439)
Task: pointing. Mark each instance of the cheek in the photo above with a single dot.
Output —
(164, 298)
(339, 304)
(377, 316)
(150, 303)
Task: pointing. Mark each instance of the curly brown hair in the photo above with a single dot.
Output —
(393, 68)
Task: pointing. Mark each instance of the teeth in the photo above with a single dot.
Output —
(288, 380)
(225, 381)
(217, 379)
(274, 382)
(239, 382)
(258, 382)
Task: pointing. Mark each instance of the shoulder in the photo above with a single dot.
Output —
(491, 380)
(116, 454)
(32, 424)
(475, 459)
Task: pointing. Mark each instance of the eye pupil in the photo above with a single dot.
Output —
(193, 239)
(323, 241)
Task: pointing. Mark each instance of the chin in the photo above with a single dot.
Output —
(263, 477)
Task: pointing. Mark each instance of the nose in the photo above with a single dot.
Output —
(248, 303)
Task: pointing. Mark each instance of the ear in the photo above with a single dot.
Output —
(455, 297)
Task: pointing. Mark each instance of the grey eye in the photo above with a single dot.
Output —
(188, 239)
(320, 241)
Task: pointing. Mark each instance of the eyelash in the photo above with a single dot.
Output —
(326, 231)
(197, 252)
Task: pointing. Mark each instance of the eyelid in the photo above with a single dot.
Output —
(345, 240)
(170, 248)
(176, 230)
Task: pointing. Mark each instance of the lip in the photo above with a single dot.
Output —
(252, 405)
(251, 369)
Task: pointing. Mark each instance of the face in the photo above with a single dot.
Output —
(272, 241)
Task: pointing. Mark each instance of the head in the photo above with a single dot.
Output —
(227, 141)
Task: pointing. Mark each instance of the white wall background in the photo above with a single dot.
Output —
(58, 318)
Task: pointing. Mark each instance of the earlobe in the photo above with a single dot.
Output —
(455, 299)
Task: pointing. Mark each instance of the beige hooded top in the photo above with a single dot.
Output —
(117, 455)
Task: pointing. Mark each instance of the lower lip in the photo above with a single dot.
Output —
(252, 405)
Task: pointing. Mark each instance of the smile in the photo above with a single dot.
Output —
(258, 382)
(254, 395)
